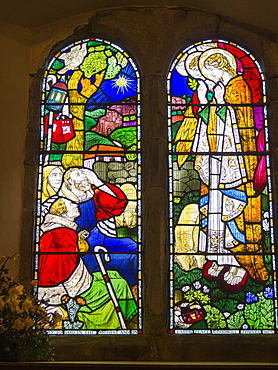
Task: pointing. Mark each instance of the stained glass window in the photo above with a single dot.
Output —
(222, 263)
(88, 233)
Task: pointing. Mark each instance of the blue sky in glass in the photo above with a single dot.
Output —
(179, 85)
(110, 92)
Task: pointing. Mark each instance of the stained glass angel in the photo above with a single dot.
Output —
(218, 130)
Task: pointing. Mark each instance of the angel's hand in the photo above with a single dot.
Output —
(219, 91)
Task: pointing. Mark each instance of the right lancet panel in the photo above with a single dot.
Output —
(221, 214)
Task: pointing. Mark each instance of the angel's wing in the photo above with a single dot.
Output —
(185, 135)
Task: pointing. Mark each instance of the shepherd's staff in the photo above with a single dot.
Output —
(108, 282)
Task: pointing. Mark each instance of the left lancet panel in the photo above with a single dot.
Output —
(88, 233)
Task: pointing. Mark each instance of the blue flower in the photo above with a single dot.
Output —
(185, 288)
(251, 297)
(268, 292)
(206, 289)
(197, 285)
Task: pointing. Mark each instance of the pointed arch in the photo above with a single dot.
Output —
(221, 212)
(88, 235)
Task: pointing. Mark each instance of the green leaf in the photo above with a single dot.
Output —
(263, 320)
(214, 318)
(192, 83)
(257, 324)
(236, 320)
(250, 323)
(227, 305)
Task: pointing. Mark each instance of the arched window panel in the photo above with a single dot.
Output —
(221, 213)
(88, 234)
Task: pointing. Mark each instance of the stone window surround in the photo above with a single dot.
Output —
(152, 37)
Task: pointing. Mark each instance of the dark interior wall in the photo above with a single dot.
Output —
(153, 37)
(14, 66)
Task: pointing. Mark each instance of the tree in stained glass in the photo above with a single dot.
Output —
(221, 213)
(88, 236)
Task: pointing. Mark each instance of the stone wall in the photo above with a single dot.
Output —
(117, 172)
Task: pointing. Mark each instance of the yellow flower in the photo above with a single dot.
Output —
(34, 283)
(18, 324)
(14, 304)
(29, 322)
(16, 291)
(56, 318)
(41, 309)
(27, 304)
(2, 302)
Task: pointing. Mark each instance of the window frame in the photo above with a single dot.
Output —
(153, 56)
